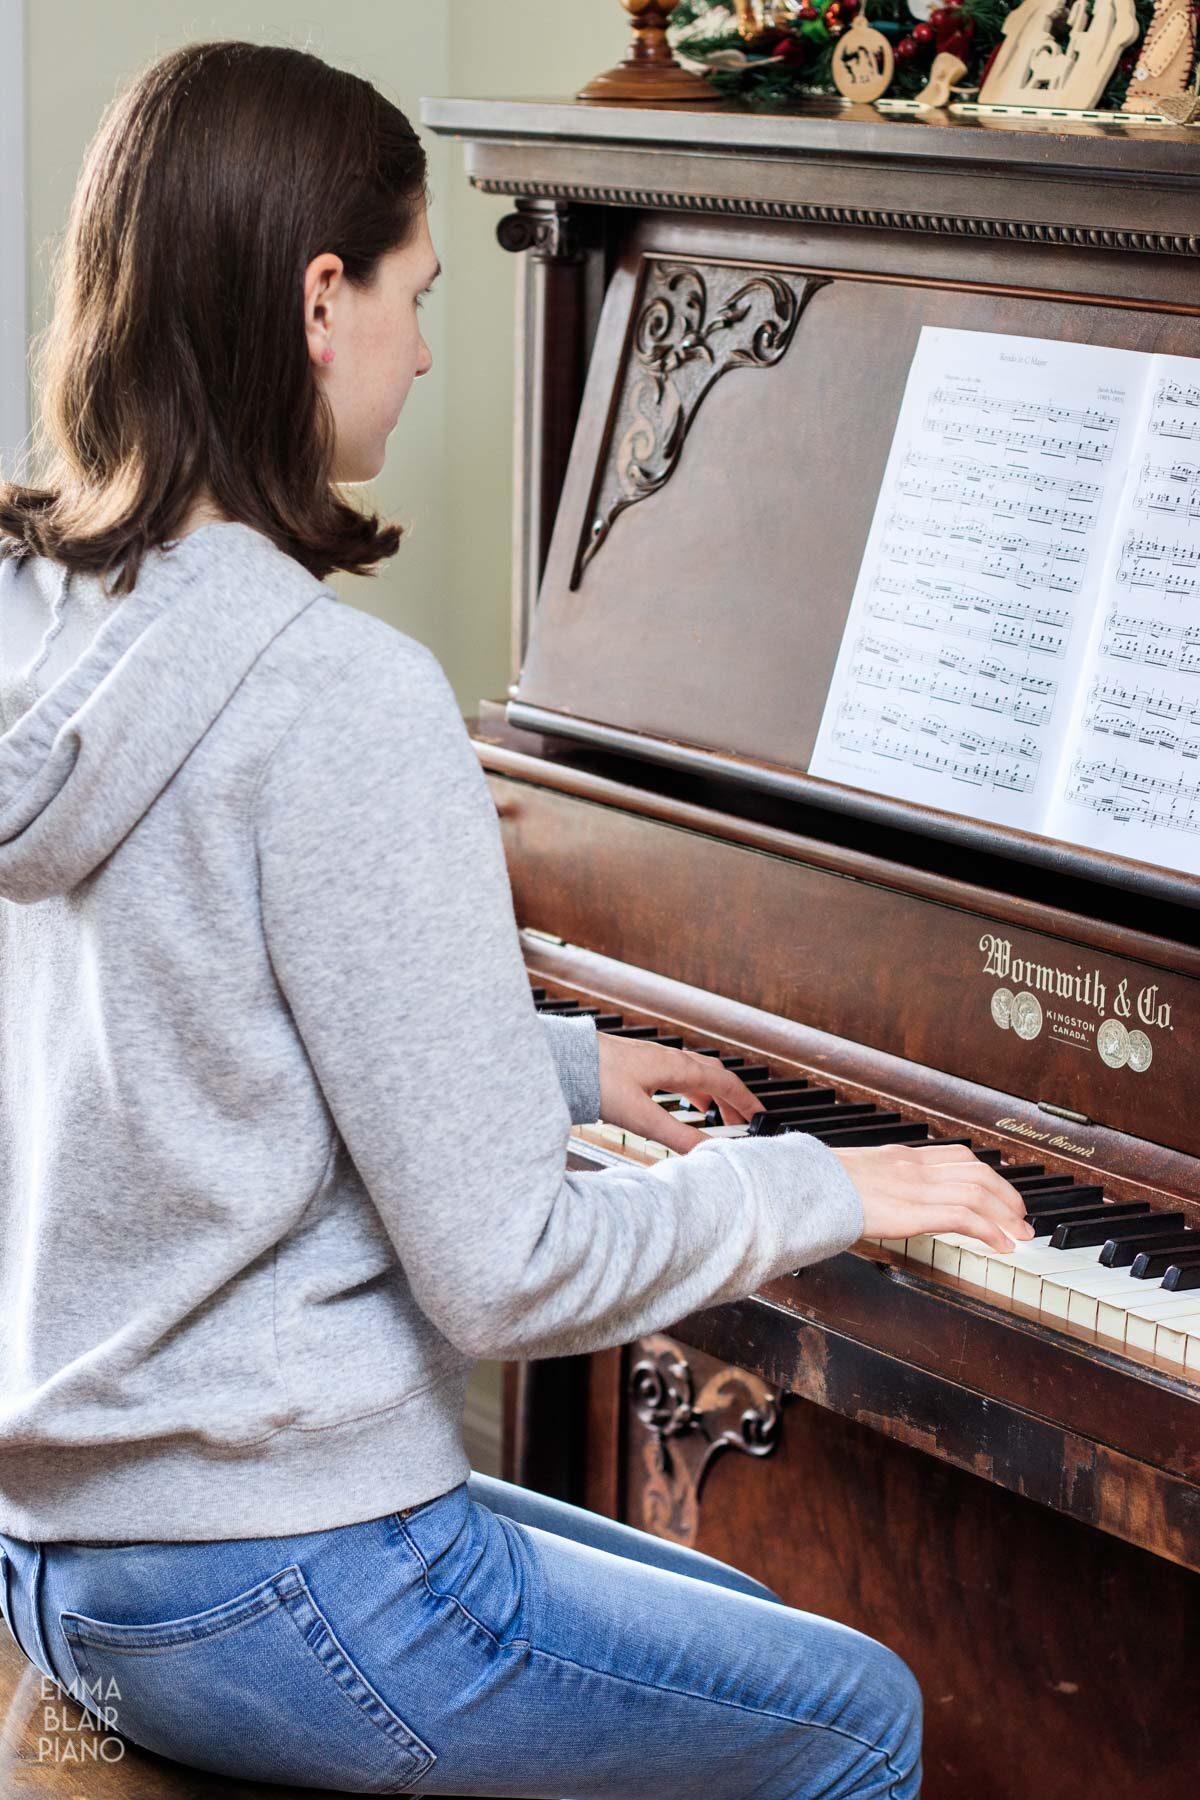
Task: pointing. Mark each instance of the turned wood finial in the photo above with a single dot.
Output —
(649, 74)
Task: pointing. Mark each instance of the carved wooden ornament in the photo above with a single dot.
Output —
(862, 62)
(687, 1431)
(1034, 69)
(946, 70)
(694, 323)
(1164, 66)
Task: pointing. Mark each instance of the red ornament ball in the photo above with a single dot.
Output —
(905, 50)
(849, 8)
(809, 13)
(923, 34)
(940, 17)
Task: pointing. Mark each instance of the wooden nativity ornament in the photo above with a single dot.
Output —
(1163, 70)
(862, 62)
(1035, 68)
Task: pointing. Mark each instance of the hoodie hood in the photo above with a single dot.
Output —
(102, 700)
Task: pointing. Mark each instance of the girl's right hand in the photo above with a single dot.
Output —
(910, 1189)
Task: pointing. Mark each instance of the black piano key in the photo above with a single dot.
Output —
(819, 1099)
(792, 1099)
(1084, 1194)
(809, 1118)
(609, 1022)
(853, 1136)
(781, 1084)
(668, 1041)
(1181, 1277)
(1152, 1264)
(1066, 1206)
(573, 1007)
(1144, 1225)
(1122, 1253)
(742, 1069)
(1018, 1172)
(1043, 1187)
(634, 1031)
(1093, 1227)
(768, 1124)
(539, 994)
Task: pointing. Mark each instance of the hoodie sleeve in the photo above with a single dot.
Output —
(389, 921)
(576, 1056)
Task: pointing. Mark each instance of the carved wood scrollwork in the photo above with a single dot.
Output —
(689, 1430)
(693, 323)
(545, 227)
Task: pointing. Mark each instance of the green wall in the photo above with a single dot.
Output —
(449, 467)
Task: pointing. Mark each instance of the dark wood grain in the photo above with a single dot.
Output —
(1013, 1505)
(1053, 1660)
(781, 934)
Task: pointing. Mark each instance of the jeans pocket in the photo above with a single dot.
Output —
(258, 1688)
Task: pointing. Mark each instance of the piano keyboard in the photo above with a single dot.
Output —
(1123, 1270)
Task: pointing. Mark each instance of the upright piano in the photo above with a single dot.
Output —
(991, 1464)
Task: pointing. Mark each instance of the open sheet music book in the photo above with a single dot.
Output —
(1023, 644)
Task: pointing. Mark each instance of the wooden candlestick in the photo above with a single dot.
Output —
(649, 74)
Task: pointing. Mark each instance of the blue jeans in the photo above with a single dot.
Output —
(490, 1641)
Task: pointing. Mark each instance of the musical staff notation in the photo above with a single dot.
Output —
(927, 742)
(948, 607)
(1058, 446)
(1026, 411)
(1026, 619)
(1129, 796)
(955, 677)
(1160, 643)
(1170, 488)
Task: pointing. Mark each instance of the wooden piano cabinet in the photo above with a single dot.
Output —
(1056, 1662)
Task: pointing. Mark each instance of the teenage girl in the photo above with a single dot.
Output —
(282, 1137)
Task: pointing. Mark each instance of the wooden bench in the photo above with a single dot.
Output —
(47, 1749)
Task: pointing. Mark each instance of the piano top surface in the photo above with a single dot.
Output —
(826, 127)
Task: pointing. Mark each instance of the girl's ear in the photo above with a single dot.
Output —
(322, 284)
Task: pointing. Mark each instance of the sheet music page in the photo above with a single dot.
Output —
(970, 619)
(1131, 781)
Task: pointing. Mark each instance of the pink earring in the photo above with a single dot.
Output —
(327, 355)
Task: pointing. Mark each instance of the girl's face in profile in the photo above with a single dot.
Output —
(375, 334)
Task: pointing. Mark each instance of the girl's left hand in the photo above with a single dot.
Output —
(632, 1071)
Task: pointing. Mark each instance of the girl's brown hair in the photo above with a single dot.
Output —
(176, 360)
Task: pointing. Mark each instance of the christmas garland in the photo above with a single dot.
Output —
(790, 60)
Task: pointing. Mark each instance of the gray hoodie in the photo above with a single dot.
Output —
(282, 1138)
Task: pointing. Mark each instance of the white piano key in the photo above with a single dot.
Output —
(1142, 1321)
(1032, 1266)
(920, 1249)
(900, 1244)
(1089, 1289)
(1191, 1357)
(1140, 1311)
(948, 1247)
(720, 1131)
(1171, 1337)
